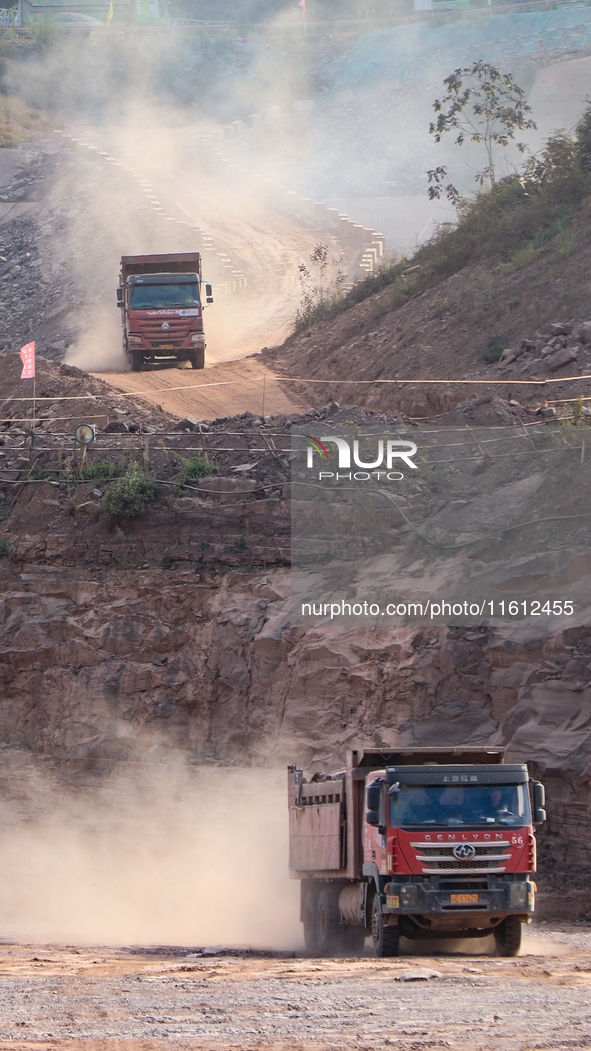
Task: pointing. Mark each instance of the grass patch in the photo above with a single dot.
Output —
(4, 548)
(42, 32)
(131, 495)
(193, 470)
(522, 257)
(100, 470)
(567, 241)
(19, 122)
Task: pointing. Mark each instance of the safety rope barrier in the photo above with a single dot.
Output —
(300, 379)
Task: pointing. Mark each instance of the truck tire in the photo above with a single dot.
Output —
(386, 938)
(197, 358)
(136, 360)
(508, 936)
(329, 932)
(309, 921)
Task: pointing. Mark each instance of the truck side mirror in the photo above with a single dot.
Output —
(119, 297)
(539, 803)
(374, 793)
(208, 294)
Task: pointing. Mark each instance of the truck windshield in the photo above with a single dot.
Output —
(455, 805)
(152, 296)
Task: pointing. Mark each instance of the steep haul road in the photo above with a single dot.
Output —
(223, 390)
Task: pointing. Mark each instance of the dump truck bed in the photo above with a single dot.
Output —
(175, 263)
(326, 813)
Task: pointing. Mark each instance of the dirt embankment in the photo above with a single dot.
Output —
(442, 334)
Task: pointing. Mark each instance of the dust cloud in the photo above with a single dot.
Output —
(157, 854)
(99, 347)
(139, 179)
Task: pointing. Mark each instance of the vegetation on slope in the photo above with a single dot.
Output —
(533, 210)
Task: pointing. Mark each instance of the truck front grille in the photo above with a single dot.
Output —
(151, 329)
(439, 858)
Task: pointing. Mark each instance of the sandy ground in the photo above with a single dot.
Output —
(225, 389)
(145, 998)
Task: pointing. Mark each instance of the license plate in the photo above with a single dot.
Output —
(166, 346)
(463, 899)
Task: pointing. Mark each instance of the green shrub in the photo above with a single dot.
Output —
(130, 495)
(510, 222)
(194, 469)
(42, 32)
(4, 548)
(100, 469)
(494, 349)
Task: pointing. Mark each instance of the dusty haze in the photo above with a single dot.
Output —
(155, 854)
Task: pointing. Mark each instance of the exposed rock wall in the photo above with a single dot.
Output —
(123, 664)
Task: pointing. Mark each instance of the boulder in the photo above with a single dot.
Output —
(188, 423)
(116, 427)
(560, 358)
(583, 332)
(561, 330)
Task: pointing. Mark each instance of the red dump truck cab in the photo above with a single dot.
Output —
(429, 843)
(160, 297)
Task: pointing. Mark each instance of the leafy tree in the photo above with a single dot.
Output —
(481, 105)
(318, 290)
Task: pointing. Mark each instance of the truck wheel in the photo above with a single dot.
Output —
(310, 925)
(508, 936)
(136, 361)
(329, 932)
(353, 940)
(197, 358)
(386, 938)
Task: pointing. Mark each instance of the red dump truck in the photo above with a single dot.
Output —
(162, 309)
(421, 843)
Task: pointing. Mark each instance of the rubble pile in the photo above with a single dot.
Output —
(566, 344)
(33, 288)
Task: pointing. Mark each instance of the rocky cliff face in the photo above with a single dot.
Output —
(173, 634)
(127, 664)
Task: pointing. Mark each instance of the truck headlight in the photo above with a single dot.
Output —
(198, 337)
(409, 896)
(134, 339)
(518, 895)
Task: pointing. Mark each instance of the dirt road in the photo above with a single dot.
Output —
(145, 999)
(222, 390)
(243, 224)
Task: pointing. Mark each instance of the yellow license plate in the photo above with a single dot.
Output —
(165, 346)
(463, 899)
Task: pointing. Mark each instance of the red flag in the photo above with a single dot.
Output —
(28, 359)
